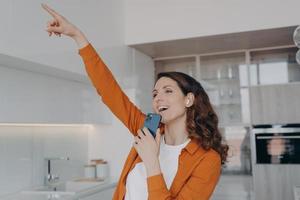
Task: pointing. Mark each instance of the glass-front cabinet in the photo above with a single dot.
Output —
(231, 78)
(275, 66)
(223, 78)
(219, 75)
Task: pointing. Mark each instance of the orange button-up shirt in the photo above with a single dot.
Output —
(198, 169)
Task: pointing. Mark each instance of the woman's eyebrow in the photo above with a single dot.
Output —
(155, 90)
(166, 86)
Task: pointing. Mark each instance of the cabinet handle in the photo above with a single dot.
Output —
(279, 137)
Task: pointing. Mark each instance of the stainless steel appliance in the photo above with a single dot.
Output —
(276, 161)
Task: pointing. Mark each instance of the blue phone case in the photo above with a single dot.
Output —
(152, 122)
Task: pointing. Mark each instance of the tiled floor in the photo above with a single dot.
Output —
(234, 187)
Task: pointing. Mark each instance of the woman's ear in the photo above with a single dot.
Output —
(189, 99)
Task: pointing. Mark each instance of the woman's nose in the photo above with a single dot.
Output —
(158, 98)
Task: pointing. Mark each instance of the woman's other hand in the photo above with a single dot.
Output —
(148, 149)
(60, 25)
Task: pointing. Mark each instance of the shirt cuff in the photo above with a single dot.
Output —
(87, 52)
(156, 182)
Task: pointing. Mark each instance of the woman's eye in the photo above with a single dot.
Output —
(169, 91)
(154, 95)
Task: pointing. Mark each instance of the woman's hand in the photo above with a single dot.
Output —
(148, 149)
(60, 25)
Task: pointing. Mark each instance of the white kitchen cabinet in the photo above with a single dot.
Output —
(94, 110)
(275, 182)
(275, 104)
(34, 93)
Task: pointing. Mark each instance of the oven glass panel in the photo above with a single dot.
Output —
(278, 148)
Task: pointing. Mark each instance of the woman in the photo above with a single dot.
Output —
(183, 163)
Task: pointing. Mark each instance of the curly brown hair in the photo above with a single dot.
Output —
(201, 121)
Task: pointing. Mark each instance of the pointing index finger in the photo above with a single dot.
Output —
(51, 11)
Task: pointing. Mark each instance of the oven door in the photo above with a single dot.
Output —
(277, 145)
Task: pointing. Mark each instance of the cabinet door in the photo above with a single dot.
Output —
(29, 97)
(275, 104)
(275, 182)
(32, 97)
(94, 110)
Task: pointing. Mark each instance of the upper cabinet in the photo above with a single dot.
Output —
(33, 93)
(275, 104)
(220, 77)
(277, 66)
(275, 86)
(186, 65)
(246, 87)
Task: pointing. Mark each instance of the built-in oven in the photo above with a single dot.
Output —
(277, 144)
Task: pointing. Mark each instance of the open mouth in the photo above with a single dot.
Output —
(162, 108)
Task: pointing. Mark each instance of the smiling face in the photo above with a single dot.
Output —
(168, 100)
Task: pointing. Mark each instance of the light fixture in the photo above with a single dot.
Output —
(296, 38)
(298, 56)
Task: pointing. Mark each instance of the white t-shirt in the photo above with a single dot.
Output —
(136, 183)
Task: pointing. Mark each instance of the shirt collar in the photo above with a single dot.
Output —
(192, 146)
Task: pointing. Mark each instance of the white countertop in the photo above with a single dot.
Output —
(27, 196)
(93, 189)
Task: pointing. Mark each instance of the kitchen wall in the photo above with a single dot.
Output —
(24, 147)
(154, 20)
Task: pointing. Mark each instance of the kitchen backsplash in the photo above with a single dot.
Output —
(24, 148)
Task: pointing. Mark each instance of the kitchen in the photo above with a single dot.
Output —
(245, 61)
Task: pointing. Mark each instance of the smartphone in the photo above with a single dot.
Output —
(152, 122)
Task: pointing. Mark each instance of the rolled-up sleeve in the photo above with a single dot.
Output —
(110, 91)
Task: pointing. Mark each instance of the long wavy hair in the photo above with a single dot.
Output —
(201, 121)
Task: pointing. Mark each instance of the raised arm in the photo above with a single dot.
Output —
(101, 77)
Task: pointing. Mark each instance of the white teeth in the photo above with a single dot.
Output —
(162, 108)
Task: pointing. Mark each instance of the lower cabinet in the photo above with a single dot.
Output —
(275, 182)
